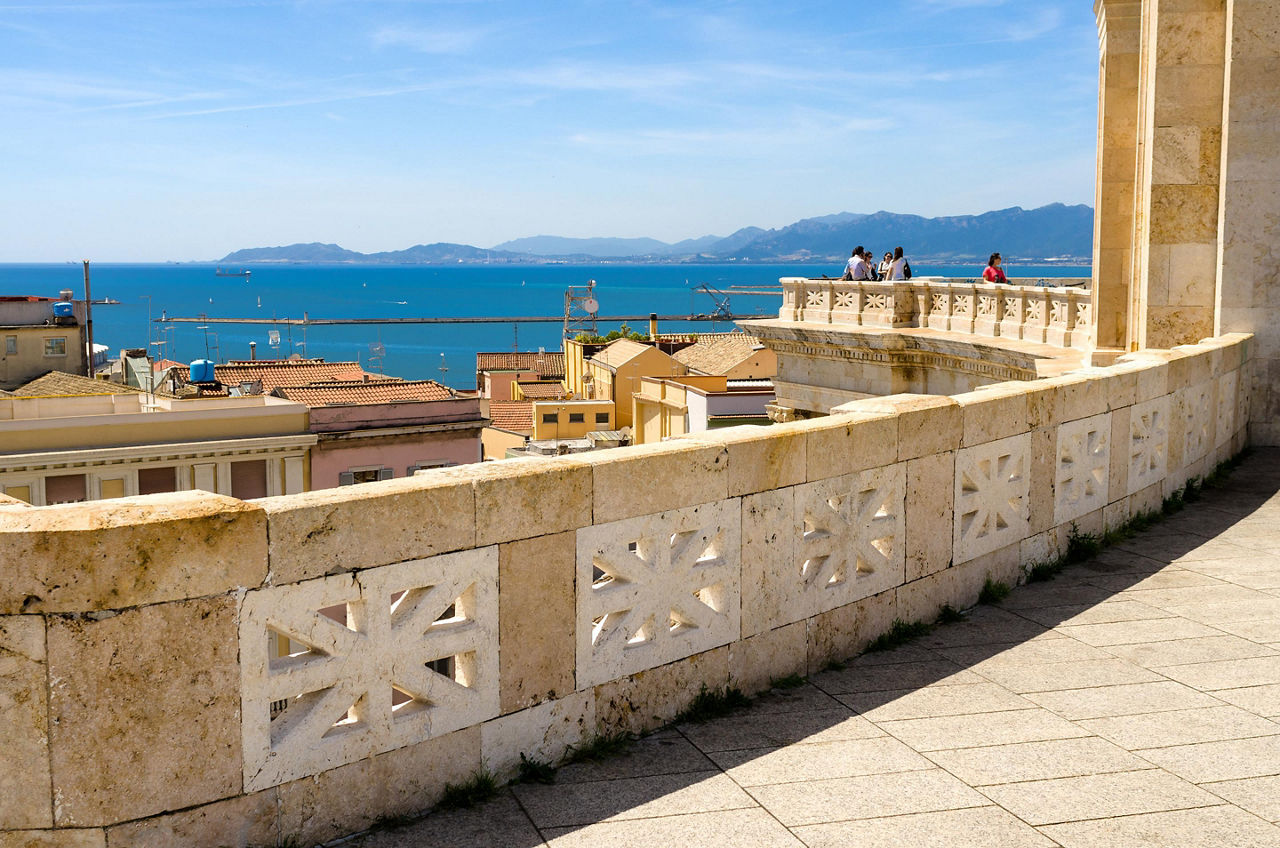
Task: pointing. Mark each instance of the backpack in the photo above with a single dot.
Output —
(906, 270)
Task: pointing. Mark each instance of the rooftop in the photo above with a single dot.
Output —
(514, 415)
(275, 373)
(718, 353)
(359, 393)
(61, 384)
(549, 364)
(543, 391)
(620, 352)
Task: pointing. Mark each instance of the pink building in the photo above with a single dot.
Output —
(496, 373)
(379, 430)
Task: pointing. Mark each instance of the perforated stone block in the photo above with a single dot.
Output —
(648, 479)
(352, 527)
(1083, 468)
(992, 496)
(536, 609)
(374, 661)
(1148, 447)
(145, 693)
(657, 588)
(1196, 408)
(142, 550)
(24, 756)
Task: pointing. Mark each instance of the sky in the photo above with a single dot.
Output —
(156, 130)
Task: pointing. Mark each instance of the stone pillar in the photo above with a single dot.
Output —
(1119, 38)
(1184, 58)
(1248, 284)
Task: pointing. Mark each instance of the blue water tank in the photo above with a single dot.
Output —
(202, 371)
(64, 309)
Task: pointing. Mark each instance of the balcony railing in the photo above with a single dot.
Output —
(1059, 315)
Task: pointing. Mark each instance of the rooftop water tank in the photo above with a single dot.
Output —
(202, 371)
(64, 309)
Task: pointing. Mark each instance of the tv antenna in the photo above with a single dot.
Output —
(580, 310)
(443, 369)
(377, 350)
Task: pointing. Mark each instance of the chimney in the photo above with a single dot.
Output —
(253, 351)
(653, 326)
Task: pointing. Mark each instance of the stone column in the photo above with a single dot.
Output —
(1184, 59)
(1248, 284)
(1119, 39)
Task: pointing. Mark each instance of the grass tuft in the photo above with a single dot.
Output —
(709, 704)
(1082, 546)
(835, 665)
(791, 681)
(899, 634)
(949, 615)
(601, 747)
(1042, 572)
(1174, 503)
(481, 786)
(535, 771)
(993, 592)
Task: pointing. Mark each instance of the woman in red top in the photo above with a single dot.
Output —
(994, 273)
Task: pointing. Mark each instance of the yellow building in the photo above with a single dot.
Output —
(613, 372)
(132, 443)
(664, 408)
(736, 356)
(571, 419)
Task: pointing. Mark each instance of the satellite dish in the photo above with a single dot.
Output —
(378, 349)
(591, 305)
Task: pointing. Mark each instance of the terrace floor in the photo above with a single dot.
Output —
(1132, 701)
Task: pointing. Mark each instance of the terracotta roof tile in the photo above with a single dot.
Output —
(717, 354)
(61, 384)
(543, 391)
(276, 373)
(362, 393)
(549, 364)
(620, 352)
(514, 415)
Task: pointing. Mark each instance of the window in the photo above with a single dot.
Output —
(602, 418)
(55, 347)
(65, 488)
(577, 417)
(431, 463)
(550, 418)
(10, 345)
(364, 475)
(112, 487)
(249, 479)
(153, 481)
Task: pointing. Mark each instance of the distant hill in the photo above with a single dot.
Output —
(1049, 231)
(1022, 234)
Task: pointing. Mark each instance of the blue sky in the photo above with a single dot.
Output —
(146, 130)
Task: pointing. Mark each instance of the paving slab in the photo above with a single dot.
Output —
(983, 827)
(754, 828)
(1213, 761)
(1182, 727)
(1098, 796)
(796, 763)
(845, 799)
(1258, 795)
(1037, 760)
(1209, 827)
(1076, 704)
(563, 805)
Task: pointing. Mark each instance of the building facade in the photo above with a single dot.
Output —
(33, 341)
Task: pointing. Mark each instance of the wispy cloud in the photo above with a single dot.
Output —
(432, 40)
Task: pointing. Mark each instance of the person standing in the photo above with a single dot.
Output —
(899, 268)
(886, 267)
(852, 265)
(994, 273)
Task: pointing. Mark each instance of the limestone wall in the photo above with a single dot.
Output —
(403, 634)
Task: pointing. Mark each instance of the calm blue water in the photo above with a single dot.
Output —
(412, 351)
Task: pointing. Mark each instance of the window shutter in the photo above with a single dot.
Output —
(346, 478)
(411, 470)
(385, 473)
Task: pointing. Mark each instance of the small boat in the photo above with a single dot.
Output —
(220, 272)
(106, 301)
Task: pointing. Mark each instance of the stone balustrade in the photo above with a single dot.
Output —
(1058, 316)
(189, 669)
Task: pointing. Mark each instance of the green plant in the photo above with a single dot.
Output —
(601, 747)
(993, 592)
(834, 665)
(1041, 572)
(900, 633)
(481, 786)
(949, 615)
(1194, 490)
(535, 771)
(792, 681)
(1174, 503)
(709, 704)
(1082, 546)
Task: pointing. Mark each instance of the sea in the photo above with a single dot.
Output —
(150, 295)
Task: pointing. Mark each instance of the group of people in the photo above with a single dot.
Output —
(861, 266)
(894, 266)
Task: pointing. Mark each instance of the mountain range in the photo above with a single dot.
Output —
(1055, 231)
